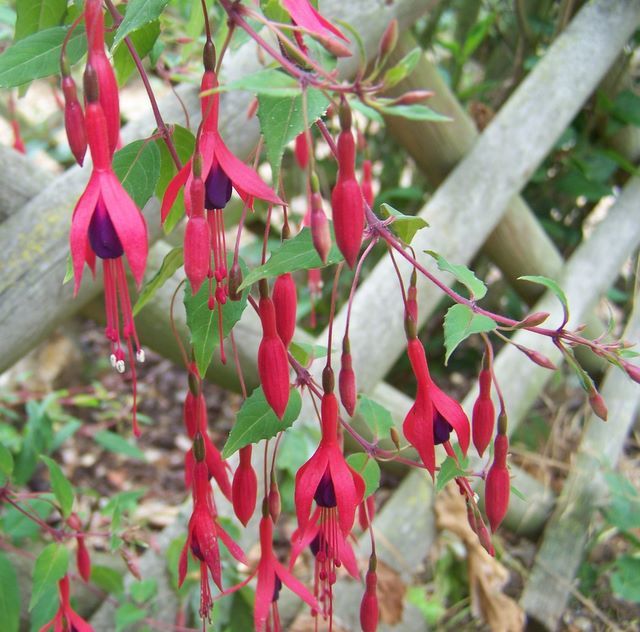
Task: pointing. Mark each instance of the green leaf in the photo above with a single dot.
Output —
(108, 579)
(256, 421)
(139, 13)
(415, 112)
(477, 35)
(552, 285)
(306, 353)
(377, 417)
(623, 508)
(459, 323)
(62, 488)
(282, 119)
(269, 82)
(137, 166)
(367, 111)
(170, 264)
(273, 10)
(402, 69)
(477, 289)
(45, 609)
(128, 614)
(37, 15)
(626, 107)
(38, 55)
(184, 142)
(368, 468)
(447, 472)
(9, 596)
(203, 323)
(294, 254)
(115, 443)
(6, 461)
(143, 590)
(143, 40)
(51, 566)
(625, 580)
(405, 226)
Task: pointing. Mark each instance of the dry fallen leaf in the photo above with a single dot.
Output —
(486, 575)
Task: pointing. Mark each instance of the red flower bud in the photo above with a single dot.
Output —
(369, 604)
(597, 403)
(347, 201)
(367, 183)
(347, 383)
(74, 120)
(533, 320)
(333, 45)
(132, 563)
(388, 40)
(485, 539)
(194, 407)
(366, 512)
(498, 484)
(413, 96)
(273, 366)
(538, 358)
(301, 150)
(483, 417)
(82, 559)
(197, 251)
(633, 371)
(320, 233)
(285, 303)
(245, 487)
(275, 503)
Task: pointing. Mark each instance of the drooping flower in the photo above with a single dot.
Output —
(498, 483)
(304, 14)
(106, 223)
(245, 487)
(483, 416)
(285, 303)
(203, 534)
(66, 619)
(74, 120)
(369, 605)
(301, 150)
(271, 576)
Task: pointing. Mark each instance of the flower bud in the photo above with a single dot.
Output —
(483, 417)
(275, 503)
(198, 447)
(301, 150)
(91, 86)
(389, 40)
(369, 604)
(347, 383)
(235, 281)
(132, 563)
(74, 120)
(320, 234)
(598, 405)
(533, 320)
(197, 251)
(245, 487)
(83, 560)
(633, 371)
(367, 183)
(328, 380)
(538, 358)
(485, 539)
(285, 303)
(333, 45)
(413, 96)
(498, 484)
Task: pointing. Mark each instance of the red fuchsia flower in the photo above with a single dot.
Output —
(434, 414)
(483, 416)
(106, 223)
(331, 550)
(346, 198)
(304, 14)
(108, 86)
(74, 119)
(66, 619)
(320, 233)
(273, 364)
(83, 560)
(203, 534)
(327, 478)
(301, 150)
(221, 171)
(347, 379)
(369, 604)
(271, 576)
(498, 483)
(285, 302)
(367, 183)
(244, 491)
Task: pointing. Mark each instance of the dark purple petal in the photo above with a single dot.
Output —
(276, 589)
(325, 495)
(441, 429)
(217, 188)
(102, 234)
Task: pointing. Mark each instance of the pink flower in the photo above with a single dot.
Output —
(304, 14)
(66, 618)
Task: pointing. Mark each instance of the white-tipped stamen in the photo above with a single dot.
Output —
(120, 366)
(140, 357)
(112, 359)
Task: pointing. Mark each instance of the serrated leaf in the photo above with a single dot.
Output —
(137, 166)
(447, 472)
(170, 264)
(257, 421)
(62, 488)
(467, 277)
(108, 579)
(115, 443)
(6, 461)
(36, 15)
(51, 566)
(139, 13)
(128, 614)
(269, 82)
(282, 119)
(415, 112)
(184, 142)
(552, 285)
(305, 353)
(368, 468)
(38, 55)
(9, 596)
(405, 226)
(297, 253)
(460, 323)
(402, 69)
(203, 323)
(377, 417)
(143, 40)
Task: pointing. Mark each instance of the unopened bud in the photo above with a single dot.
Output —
(209, 56)
(633, 371)
(389, 39)
(275, 503)
(235, 281)
(131, 562)
(74, 522)
(333, 45)
(320, 233)
(395, 436)
(598, 405)
(533, 320)
(91, 86)
(345, 116)
(328, 380)
(198, 447)
(413, 96)
(537, 357)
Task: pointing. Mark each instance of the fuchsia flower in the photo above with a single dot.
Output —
(245, 487)
(498, 483)
(66, 619)
(434, 414)
(271, 575)
(203, 534)
(106, 223)
(483, 416)
(285, 302)
(304, 14)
